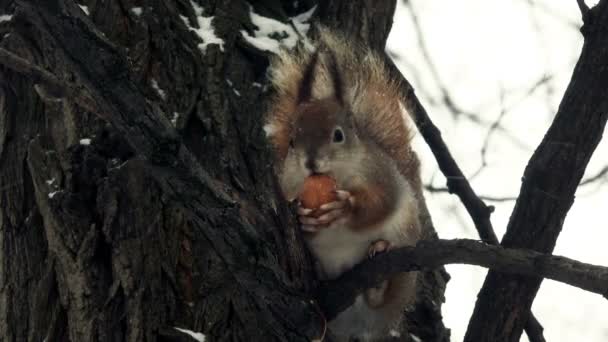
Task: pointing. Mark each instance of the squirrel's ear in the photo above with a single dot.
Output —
(308, 79)
(334, 73)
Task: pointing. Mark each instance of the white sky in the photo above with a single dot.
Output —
(482, 48)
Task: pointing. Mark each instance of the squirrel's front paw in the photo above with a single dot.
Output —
(378, 246)
(314, 219)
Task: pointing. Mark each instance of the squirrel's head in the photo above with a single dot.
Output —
(324, 137)
(344, 119)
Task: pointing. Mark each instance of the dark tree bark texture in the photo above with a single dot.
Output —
(136, 189)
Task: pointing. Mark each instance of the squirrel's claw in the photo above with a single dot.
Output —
(304, 211)
(310, 221)
(331, 216)
(336, 210)
(344, 195)
(334, 205)
(378, 246)
(345, 201)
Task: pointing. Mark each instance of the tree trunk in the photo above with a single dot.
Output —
(549, 183)
(140, 197)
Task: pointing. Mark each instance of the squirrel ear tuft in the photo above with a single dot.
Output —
(334, 73)
(308, 79)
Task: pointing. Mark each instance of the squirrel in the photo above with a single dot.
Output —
(336, 111)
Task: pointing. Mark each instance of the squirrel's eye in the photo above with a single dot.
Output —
(338, 135)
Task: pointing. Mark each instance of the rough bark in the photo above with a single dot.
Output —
(548, 186)
(170, 215)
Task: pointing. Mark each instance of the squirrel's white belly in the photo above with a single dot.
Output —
(337, 249)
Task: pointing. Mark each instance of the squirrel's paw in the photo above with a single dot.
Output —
(305, 217)
(377, 247)
(313, 220)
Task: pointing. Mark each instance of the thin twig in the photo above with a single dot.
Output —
(601, 174)
(456, 181)
(433, 189)
(445, 95)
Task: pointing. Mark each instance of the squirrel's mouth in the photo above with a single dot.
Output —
(317, 173)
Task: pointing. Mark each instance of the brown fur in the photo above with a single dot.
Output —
(306, 106)
(315, 120)
(373, 97)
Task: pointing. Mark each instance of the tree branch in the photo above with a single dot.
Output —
(334, 14)
(433, 189)
(334, 296)
(549, 184)
(582, 6)
(598, 176)
(457, 183)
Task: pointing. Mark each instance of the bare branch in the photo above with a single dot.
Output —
(433, 189)
(456, 181)
(334, 296)
(455, 109)
(601, 174)
(546, 9)
(582, 6)
(549, 183)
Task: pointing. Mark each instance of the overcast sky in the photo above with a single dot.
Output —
(489, 55)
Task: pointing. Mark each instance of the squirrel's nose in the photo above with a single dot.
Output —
(310, 164)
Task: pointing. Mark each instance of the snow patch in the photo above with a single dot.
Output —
(52, 194)
(156, 87)
(85, 9)
(185, 20)
(205, 29)
(271, 34)
(50, 181)
(394, 333)
(137, 11)
(270, 129)
(5, 17)
(174, 118)
(301, 21)
(238, 93)
(86, 141)
(197, 336)
(415, 338)
(115, 163)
